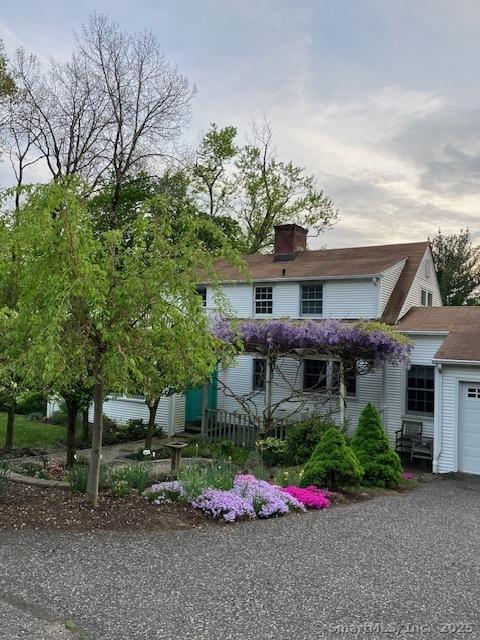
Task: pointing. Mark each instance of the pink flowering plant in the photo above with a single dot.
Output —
(311, 497)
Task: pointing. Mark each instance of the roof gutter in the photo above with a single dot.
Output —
(415, 332)
(367, 276)
(451, 361)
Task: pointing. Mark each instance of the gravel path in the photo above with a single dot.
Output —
(411, 559)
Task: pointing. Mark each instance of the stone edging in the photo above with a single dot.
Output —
(38, 482)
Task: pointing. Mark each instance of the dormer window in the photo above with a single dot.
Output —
(426, 298)
(311, 299)
(263, 300)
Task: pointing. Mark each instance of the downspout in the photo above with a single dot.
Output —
(437, 417)
(384, 406)
(342, 394)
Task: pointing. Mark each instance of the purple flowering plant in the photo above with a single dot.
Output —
(373, 343)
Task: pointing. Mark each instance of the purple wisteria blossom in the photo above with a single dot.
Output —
(372, 343)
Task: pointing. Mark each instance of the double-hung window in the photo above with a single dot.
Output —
(258, 374)
(350, 380)
(311, 299)
(420, 389)
(315, 373)
(320, 375)
(426, 298)
(263, 300)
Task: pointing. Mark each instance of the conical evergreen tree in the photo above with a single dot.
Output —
(381, 464)
(332, 464)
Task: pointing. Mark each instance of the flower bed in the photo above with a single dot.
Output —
(248, 498)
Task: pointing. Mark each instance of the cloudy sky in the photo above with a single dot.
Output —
(379, 99)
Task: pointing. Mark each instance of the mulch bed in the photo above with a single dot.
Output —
(28, 507)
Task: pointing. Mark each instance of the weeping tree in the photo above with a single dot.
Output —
(185, 359)
(91, 301)
(345, 347)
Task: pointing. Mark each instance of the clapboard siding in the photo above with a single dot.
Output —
(350, 299)
(423, 281)
(389, 279)
(424, 350)
(341, 299)
(123, 409)
(452, 376)
(239, 379)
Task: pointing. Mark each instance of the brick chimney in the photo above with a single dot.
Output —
(290, 239)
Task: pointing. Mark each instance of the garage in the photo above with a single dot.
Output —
(469, 428)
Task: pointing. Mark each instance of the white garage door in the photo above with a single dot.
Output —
(469, 428)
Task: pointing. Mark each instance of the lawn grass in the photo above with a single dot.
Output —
(31, 434)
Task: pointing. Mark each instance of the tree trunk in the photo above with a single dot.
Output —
(152, 415)
(10, 425)
(85, 425)
(72, 413)
(96, 451)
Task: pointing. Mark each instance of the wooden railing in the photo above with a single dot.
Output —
(243, 430)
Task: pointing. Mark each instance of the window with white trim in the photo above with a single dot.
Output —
(426, 298)
(263, 300)
(311, 299)
(321, 375)
(420, 389)
(315, 374)
(473, 392)
(258, 374)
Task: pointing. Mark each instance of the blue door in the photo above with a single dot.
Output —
(193, 400)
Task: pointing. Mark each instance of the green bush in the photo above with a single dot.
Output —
(303, 437)
(32, 402)
(4, 477)
(254, 464)
(120, 489)
(196, 478)
(289, 477)
(78, 477)
(273, 451)
(137, 476)
(59, 416)
(381, 463)
(332, 464)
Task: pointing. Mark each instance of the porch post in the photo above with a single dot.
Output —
(205, 393)
(342, 393)
(268, 390)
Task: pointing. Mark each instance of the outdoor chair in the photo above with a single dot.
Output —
(405, 437)
(422, 448)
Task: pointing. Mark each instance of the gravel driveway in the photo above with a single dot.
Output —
(405, 560)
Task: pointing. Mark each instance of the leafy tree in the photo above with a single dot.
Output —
(254, 190)
(381, 464)
(7, 82)
(210, 171)
(332, 464)
(457, 263)
(92, 301)
(271, 192)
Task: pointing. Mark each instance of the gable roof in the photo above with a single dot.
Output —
(327, 263)
(461, 323)
(399, 294)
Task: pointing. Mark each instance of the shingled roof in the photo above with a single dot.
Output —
(331, 263)
(461, 323)
(319, 263)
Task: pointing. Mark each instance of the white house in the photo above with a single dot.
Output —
(393, 283)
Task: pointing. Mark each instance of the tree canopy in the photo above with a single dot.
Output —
(457, 263)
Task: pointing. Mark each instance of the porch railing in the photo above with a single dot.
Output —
(219, 425)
